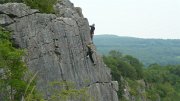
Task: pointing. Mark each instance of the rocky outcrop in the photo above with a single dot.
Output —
(140, 91)
(56, 48)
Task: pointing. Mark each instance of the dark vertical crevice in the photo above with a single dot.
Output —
(71, 57)
(83, 45)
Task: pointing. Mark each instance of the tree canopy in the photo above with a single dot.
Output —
(160, 81)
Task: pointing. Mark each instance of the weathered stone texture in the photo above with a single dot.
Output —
(56, 47)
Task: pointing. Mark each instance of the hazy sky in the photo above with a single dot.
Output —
(137, 18)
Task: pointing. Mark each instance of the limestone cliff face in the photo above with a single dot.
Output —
(56, 48)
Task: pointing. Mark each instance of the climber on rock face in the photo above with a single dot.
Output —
(90, 52)
(92, 28)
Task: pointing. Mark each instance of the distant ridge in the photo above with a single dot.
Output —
(113, 36)
(116, 36)
(149, 51)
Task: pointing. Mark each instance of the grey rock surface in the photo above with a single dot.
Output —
(16, 10)
(56, 48)
(5, 20)
(115, 85)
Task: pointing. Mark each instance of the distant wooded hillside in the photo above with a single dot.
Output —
(148, 51)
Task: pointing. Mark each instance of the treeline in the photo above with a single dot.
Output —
(148, 51)
(164, 81)
(158, 82)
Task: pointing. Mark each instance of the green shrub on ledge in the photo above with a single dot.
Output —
(44, 6)
(6, 1)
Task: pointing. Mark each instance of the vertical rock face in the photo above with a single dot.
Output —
(56, 48)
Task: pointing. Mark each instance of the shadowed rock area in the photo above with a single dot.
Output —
(56, 48)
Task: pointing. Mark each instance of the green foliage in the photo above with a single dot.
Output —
(45, 6)
(133, 87)
(136, 64)
(67, 91)
(163, 81)
(13, 69)
(31, 94)
(126, 66)
(152, 94)
(6, 1)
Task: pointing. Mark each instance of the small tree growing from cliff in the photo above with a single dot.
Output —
(12, 70)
